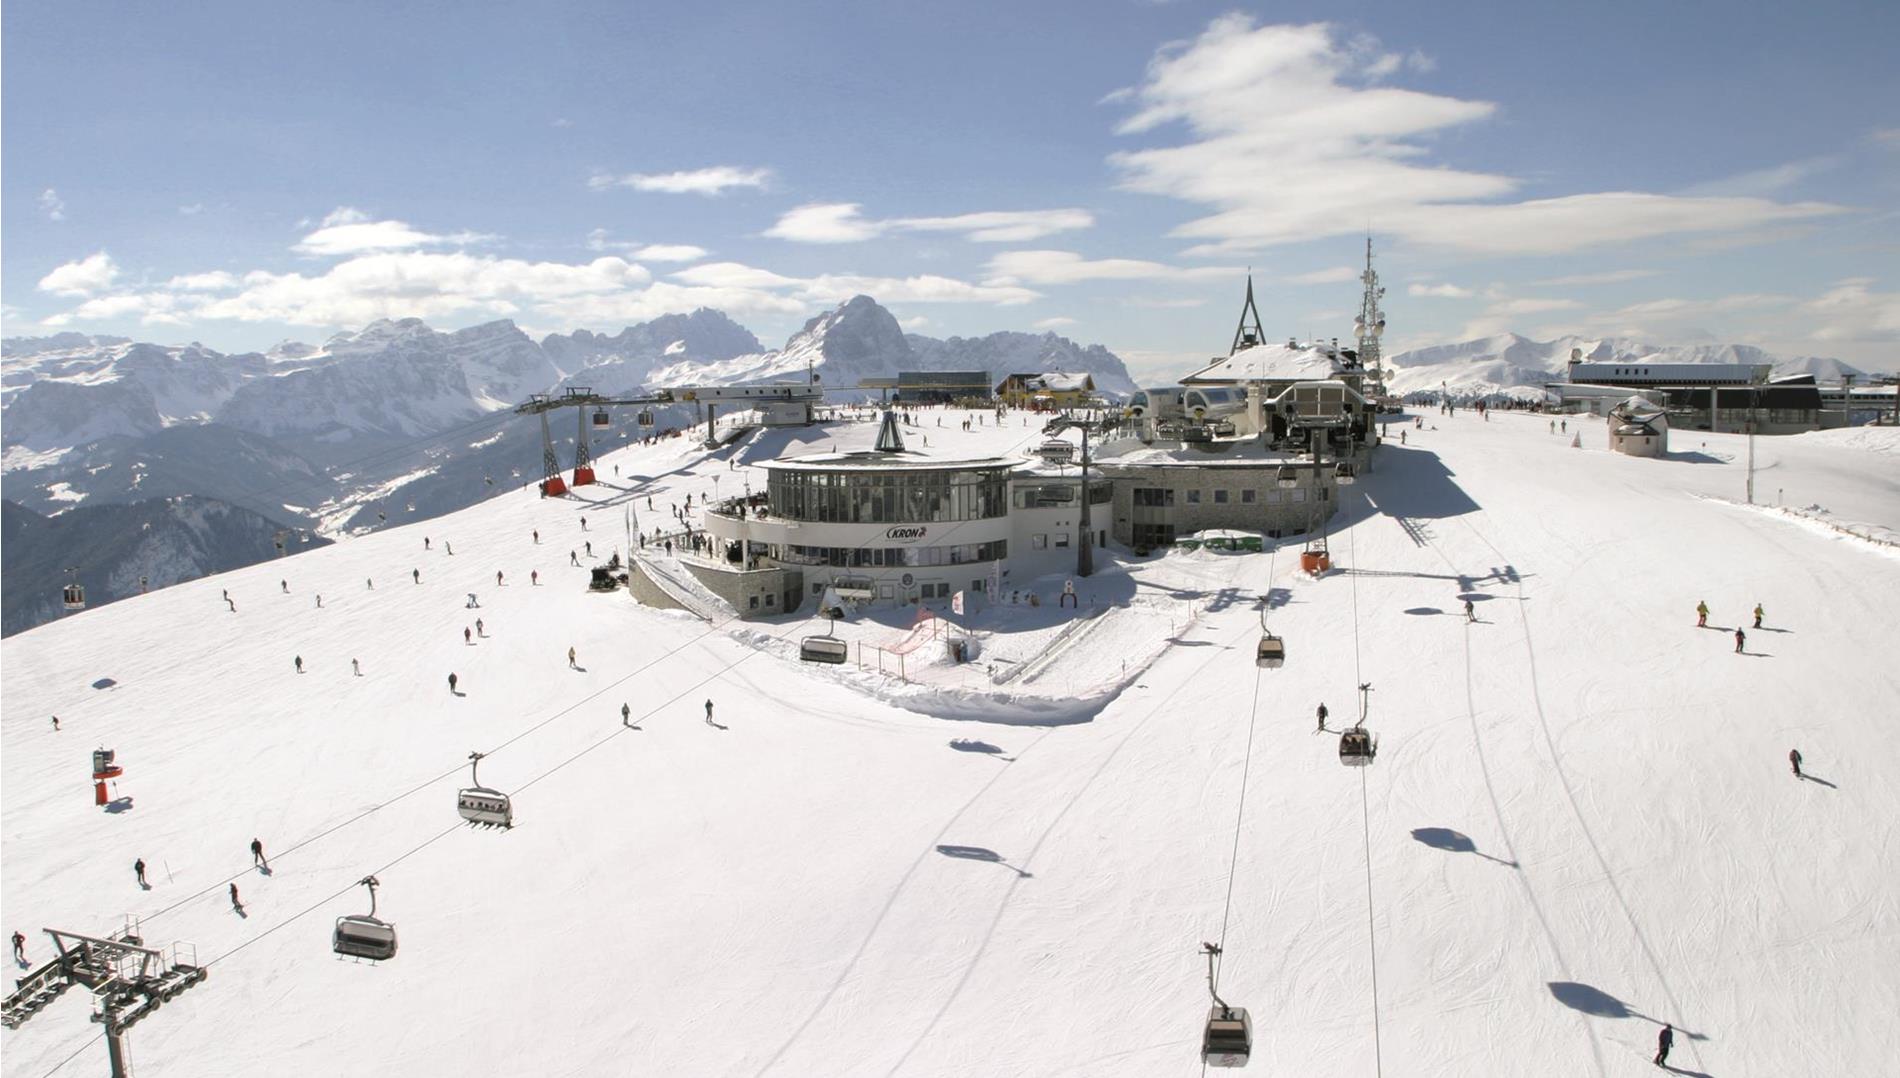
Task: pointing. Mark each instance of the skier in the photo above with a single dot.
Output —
(1322, 716)
(284, 584)
(590, 547)
(1471, 612)
(425, 542)
(584, 520)
(1564, 426)
(138, 871)
(415, 575)
(1740, 639)
(498, 578)
(573, 558)
(570, 656)
(56, 724)
(479, 631)
(649, 501)
(709, 721)
(231, 604)
(1758, 613)
(465, 634)
(257, 853)
(356, 668)
(1663, 1040)
(368, 584)
(227, 595)
(1401, 436)
(626, 714)
(299, 661)
(235, 904)
(451, 682)
(1701, 614)
(19, 948)
(534, 578)
(537, 535)
(447, 549)
(319, 601)
(1794, 758)
(473, 602)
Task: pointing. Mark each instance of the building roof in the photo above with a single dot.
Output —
(1289, 361)
(1053, 382)
(871, 461)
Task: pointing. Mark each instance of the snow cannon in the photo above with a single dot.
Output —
(103, 768)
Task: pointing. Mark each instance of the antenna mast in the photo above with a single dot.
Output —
(1370, 325)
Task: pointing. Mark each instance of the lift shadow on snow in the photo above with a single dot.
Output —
(1444, 838)
(1595, 1001)
(981, 853)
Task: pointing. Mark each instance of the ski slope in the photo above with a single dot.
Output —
(1581, 822)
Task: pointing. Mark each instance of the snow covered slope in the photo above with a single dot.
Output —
(1581, 822)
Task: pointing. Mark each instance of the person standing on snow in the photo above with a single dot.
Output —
(583, 523)
(1322, 716)
(1740, 639)
(465, 638)
(534, 578)
(425, 542)
(284, 584)
(537, 535)
(368, 584)
(1794, 759)
(19, 947)
(709, 721)
(299, 662)
(138, 872)
(415, 575)
(570, 656)
(1471, 612)
(56, 724)
(573, 558)
(626, 715)
(257, 853)
(479, 631)
(451, 682)
(1758, 613)
(356, 668)
(498, 578)
(1663, 1042)
(1701, 614)
(235, 904)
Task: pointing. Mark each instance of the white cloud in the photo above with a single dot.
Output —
(1293, 103)
(842, 222)
(651, 252)
(349, 231)
(1606, 277)
(670, 252)
(732, 275)
(561, 121)
(1768, 181)
(91, 274)
(704, 181)
(1439, 291)
(1052, 323)
(1335, 275)
(1151, 304)
(52, 205)
(1067, 267)
(1885, 136)
(214, 281)
(1852, 311)
(914, 324)
(192, 210)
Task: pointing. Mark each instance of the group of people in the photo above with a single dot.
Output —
(1741, 637)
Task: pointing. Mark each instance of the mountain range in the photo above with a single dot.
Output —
(395, 421)
(1516, 366)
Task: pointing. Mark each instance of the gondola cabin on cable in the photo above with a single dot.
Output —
(480, 805)
(601, 421)
(363, 935)
(73, 597)
(824, 649)
(1271, 654)
(1357, 747)
(1228, 1039)
(645, 418)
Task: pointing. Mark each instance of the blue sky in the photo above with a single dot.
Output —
(242, 173)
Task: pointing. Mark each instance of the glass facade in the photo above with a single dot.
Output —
(890, 556)
(852, 496)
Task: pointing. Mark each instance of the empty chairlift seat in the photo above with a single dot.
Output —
(1271, 654)
(1357, 747)
(1287, 476)
(1344, 474)
(1056, 451)
(824, 649)
(1228, 1040)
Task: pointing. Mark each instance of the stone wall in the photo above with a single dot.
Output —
(757, 593)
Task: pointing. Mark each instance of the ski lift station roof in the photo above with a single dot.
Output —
(1288, 362)
(874, 461)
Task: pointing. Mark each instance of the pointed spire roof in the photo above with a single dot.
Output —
(889, 438)
(1249, 333)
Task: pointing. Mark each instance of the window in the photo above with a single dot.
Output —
(1247, 496)
(1274, 496)
(1220, 497)
(1153, 498)
(771, 600)
(884, 591)
(1062, 539)
(754, 602)
(1299, 494)
(1194, 497)
(1038, 542)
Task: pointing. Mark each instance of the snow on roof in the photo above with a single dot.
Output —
(1057, 381)
(1276, 362)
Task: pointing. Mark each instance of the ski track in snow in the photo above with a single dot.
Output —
(828, 886)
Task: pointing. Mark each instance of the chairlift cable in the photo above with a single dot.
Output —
(1365, 814)
(1240, 809)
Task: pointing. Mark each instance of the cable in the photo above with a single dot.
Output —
(1372, 938)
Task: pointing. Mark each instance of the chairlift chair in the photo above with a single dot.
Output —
(1344, 474)
(480, 805)
(601, 420)
(1056, 451)
(645, 418)
(73, 597)
(1271, 654)
(824, 649)
(1287, 477)
(363, 935)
